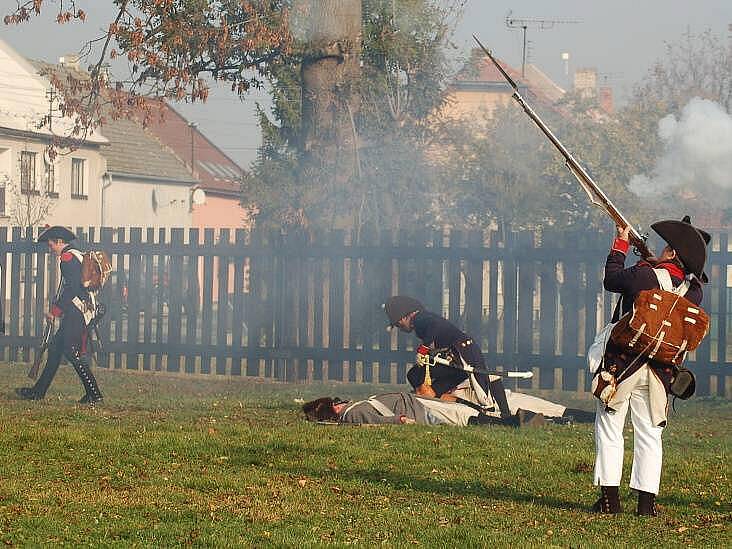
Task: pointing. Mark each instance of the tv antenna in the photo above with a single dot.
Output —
(524, 23)
(609, 76)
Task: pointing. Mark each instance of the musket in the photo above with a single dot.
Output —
(462, 365)
(46, 337)
(42, 348)
(596, 195)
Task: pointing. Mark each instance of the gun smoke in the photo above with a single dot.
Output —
(697, 156)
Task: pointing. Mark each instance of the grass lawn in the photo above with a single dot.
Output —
(171, 461)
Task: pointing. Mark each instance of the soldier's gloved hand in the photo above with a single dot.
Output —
(423, 356)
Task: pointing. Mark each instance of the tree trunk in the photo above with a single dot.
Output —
(330, 74)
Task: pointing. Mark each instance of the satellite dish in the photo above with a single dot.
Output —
(199, 197)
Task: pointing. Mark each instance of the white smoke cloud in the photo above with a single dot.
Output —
(697, 156)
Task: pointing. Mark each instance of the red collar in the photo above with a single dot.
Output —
(672, 269)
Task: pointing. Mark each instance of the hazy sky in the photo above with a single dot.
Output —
(621, 38)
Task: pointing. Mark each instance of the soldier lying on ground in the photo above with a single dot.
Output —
(405, 408)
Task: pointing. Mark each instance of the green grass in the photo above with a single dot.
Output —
(172, 462)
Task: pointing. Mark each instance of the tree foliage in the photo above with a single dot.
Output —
(696, 65)
(404, 74)
(174, 49)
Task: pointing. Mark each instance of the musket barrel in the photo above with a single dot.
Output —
(595, 193)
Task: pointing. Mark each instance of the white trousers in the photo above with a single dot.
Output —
(647, 447)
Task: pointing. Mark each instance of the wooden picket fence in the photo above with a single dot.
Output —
(302, 307)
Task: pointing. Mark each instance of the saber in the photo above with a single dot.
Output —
(438, 359)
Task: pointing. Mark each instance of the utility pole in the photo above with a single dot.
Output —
(540, 24)
(51, 96)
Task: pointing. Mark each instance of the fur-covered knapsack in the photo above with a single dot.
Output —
(95, 268)
(663, 325)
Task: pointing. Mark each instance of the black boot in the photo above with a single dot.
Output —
(575, 415)
(646, 504)
(93, 394)
(498, 393)
(609, 502)
(27, 393)
(483, 419)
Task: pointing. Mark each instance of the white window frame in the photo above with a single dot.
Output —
(28, 179)
(78, 178)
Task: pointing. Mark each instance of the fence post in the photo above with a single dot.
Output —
(3, 286)
(222, 302)
(133, 299)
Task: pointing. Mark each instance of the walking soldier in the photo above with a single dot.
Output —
(71, 306)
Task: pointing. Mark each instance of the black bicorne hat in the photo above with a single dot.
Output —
(689, 242)
(57, 232)
(399, 306)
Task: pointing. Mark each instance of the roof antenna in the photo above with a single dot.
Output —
(540, 24)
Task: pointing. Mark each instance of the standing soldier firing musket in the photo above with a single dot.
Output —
(636, 360)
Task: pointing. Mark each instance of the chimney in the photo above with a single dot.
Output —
(70, 60)
(605, 98)
(585, 82)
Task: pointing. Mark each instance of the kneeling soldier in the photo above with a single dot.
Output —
(409, 315)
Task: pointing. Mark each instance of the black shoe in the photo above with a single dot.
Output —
(564, 420)
(91, 400)
(483, 419)
(646, 504)
(27, 393)
(609, 502)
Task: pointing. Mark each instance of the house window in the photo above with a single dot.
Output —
(27, 171)
(2, 200)
(78, 190)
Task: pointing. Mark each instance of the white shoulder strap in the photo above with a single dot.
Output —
(77, 254)
(380, 407)
(664, 280)
(351, 406)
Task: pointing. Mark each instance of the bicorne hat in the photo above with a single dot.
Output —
(56, 232)
(689, 243)
(399, 306)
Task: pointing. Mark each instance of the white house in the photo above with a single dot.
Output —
(33, 188)
(146, 184)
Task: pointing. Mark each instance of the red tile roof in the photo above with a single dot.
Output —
(216, 172)
(481, 70)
